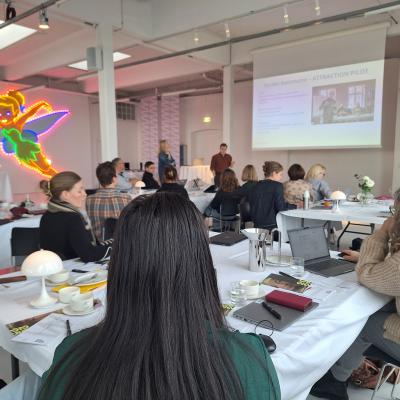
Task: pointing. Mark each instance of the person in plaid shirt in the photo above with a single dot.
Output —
(107, 202)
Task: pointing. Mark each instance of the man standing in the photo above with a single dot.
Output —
(220, 162)
(107, 202)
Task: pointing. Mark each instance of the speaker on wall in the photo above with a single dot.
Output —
(183, 154)
(94, 57)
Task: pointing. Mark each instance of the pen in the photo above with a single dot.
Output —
(287, 275)
(68, 328)
(271, 310)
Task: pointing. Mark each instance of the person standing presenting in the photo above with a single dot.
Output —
(165, 159)
(220, 162)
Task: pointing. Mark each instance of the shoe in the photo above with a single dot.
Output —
(328, 387)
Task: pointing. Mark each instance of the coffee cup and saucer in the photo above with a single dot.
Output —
(80, 304)
(253, 289)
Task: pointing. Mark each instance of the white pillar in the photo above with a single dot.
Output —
(227, 122)
(108, 115)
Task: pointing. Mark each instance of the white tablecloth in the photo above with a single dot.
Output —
(305, 350)
(191, 172)
(374, 213)
(5, 187)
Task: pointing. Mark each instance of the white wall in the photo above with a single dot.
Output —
(341, 164)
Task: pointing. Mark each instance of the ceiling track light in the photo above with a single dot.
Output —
(285, 14)
(10, 10)
(317, 8)
(196, 37)
(43, 19)
(227, 31)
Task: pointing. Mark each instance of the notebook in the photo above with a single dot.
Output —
(227, 238)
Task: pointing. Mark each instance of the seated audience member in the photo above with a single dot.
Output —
(107, 202)
(123, 183)
(378, 269)
(315, 176)
(266, 198)
(227, 192)
(164, 335)
(250, 179)
(148, 176)
(170, 182)
(294, 188)
(65, 227)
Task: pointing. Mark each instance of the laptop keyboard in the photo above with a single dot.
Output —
(334, 266)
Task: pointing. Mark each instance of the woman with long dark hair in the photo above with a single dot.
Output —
(164, 334)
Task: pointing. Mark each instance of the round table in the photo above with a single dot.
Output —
(191, 172)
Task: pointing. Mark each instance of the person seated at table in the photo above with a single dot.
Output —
(107, 202)
(378, 269)
(250, 179)
(123, 183)
(294, 188)
(65, 227)
(170, 182)
(228, 192)
(148, 176)
(266, 198)
(315, 176)
(164, 335)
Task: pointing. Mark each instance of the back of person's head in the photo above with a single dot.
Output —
(270, 167)
(314, 171)
(229, 182)
(170, 174)
(162, 335)
(296, 172)
(249, 173)
(116, 161)
(105, 173)
(63, 181)
(148, 164)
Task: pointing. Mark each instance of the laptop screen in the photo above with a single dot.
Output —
(309, 243)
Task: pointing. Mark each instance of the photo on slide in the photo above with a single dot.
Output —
(343, 102)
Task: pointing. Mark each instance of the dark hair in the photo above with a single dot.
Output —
(229, 182)
(59, 183)
(170, 173)
(148, 164)
(105, 173)
(296, 172)
(270, 167)
(223, 145)
(163, 333)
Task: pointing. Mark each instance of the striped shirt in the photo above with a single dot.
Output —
(105, 203)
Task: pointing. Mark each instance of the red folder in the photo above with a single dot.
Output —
(289, 300)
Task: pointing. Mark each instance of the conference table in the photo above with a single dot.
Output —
(305, 350)
(374, 213)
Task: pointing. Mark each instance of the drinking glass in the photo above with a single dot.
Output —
(297, 266)
(238, 294)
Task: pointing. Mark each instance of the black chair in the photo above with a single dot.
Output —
(229, 214)
(109, 228)
(90, 191)
(24, 241)
(245, 215)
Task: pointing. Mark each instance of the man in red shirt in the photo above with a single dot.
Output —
(220, 162)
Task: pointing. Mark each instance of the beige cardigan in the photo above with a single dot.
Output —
(381, 272)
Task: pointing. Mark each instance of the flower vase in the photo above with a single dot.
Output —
(365, 198)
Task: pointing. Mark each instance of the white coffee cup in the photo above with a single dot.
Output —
(252, 288)
(82, 302)
(65, 294)
(59, 277)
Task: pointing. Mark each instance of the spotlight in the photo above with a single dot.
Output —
(317, 8)
(196, 37)
(285, 14)
(10, 11)
(43, 19)
(227, 31)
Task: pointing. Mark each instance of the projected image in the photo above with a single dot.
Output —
(343, 102)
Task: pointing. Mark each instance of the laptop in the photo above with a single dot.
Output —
(227, 238)
(311, 244)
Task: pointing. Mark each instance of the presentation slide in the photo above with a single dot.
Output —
(326, 108)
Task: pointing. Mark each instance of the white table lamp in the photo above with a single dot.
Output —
(42, 263)
(336, 197)
(140, 185)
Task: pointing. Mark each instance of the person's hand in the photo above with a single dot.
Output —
(351, 255)
(388, 225)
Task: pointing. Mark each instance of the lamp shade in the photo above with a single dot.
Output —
(338, 195)
(42, 263)
(140, 184)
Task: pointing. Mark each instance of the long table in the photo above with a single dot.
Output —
(305, 350)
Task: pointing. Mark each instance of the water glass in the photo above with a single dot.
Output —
(238, 294)
(297, 267)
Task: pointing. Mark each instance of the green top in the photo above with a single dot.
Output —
(256, 383)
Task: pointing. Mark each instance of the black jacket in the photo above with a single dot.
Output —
(245, 189)
(231, 199)
(174, 187)
(266, 200)
(65, 234)
(149, 180)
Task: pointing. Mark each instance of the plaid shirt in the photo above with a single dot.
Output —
(105, 203)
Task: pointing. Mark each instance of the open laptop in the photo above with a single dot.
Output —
(312, 245)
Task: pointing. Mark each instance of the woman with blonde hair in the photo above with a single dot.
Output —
(315, 176)
(250, 179)
(165, 159)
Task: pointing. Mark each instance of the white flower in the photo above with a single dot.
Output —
(370, 183)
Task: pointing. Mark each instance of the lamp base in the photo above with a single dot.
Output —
(44, 300)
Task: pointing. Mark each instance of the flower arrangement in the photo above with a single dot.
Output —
(365, 183)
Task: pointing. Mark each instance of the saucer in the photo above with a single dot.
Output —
(284, 260)
(69, 311)
(261, 293)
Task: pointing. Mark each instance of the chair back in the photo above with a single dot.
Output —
(230, 206)
(90, 191)
(24, 241)
(109, 228)
(245, 215)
